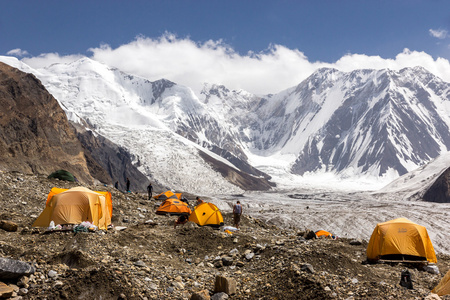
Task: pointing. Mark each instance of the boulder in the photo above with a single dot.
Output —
(225, 285)
(13, 269)
(8, 226)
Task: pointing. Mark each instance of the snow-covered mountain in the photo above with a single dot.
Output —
(366, 122)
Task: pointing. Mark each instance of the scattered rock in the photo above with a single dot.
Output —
(5, 291)
(225, 284)
(307, 268)
(202, 295)
(8, 226)
(219, 296)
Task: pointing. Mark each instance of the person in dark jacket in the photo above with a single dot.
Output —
(128, 185)
(150, 190)
(237, 212)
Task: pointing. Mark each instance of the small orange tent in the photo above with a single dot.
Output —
(168, 195)
(173, 207)
(324, 233)
(206, 214)
(400, 238)
(75, 206)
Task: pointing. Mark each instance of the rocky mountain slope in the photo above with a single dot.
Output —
(35, 135)
(152, 260)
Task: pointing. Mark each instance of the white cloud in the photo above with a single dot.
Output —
(17, 52)
(47, 59)
(439, 33)
(186, 62)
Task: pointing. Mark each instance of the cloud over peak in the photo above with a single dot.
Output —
(191, 63)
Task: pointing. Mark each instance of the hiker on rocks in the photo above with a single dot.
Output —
(116, 185)
(199, 201)
(182, 219)
(237, 212)
(128, 185)
(149, 190)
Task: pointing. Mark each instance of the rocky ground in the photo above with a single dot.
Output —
(152, 260)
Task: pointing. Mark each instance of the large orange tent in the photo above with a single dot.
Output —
(400, 239)
(173, 207)
(75, 206)
(107, 195)
(206, 214)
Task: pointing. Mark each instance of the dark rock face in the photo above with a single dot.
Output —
(110, 163)
(35, 135)
(239, 178)
(440, 190)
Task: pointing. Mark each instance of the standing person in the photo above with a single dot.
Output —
(128, 185)
(237, 212)
(149, 190)
(116, 185)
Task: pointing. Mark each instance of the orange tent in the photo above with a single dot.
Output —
(173, 207)
(75, 206)
(324, 233)
(55, 191)
(400, 239)
(168, 195)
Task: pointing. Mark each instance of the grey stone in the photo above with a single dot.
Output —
(249, 256)
(219, 296)
(307, 268)
(13, 269)
(52, 274)
(140, 263)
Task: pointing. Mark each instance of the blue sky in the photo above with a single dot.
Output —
(319, 31)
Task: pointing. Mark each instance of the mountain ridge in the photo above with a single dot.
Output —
(364, 122)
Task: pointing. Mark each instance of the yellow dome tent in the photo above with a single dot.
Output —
(206, 214)
(400, 239)
(75, 206)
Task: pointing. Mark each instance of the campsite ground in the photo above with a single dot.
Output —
(155, 261)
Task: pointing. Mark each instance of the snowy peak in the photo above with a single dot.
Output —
(385, 120)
